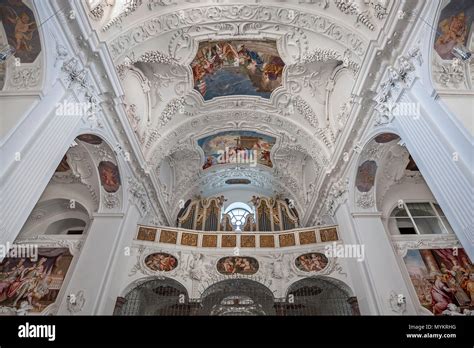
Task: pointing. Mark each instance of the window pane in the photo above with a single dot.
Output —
(420, 209)
(429, 225)
(407, 230)
(447, 225)
(405, 226)
(238, 216)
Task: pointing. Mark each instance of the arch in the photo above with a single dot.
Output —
(75, 184)
(109, 169)
(237, 297)
(367, 169)
(179, 21)
(55, 217)
(320, 295)
(155, 296)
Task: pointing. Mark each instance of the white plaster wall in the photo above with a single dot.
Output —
(463, 107)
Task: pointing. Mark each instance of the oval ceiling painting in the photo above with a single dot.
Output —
(311, 262)
(90, 139)
(237, 265)
(109, 176)
(386, 138)
(162, 262)
(366, 176)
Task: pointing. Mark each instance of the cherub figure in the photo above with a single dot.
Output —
(453, 32)
(24, 29)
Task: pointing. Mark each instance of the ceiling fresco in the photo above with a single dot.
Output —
(454, 27)
(223, 68)
(241, 147)
(21, 29)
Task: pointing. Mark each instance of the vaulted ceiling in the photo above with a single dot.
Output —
(328, 49)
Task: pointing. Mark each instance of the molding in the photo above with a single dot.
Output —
(401, 243)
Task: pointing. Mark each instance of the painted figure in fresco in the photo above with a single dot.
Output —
(231, 68)
(272, 73)
(366, 176)
(29, 279)
(39, 290)
(452, 284)
(25, 285)
(228, 266)
(208, 163)
(161, 262)
(441, 294)
(242, 146)
(167, 263)
(109, 176)
(24, 29)
(453, 32)
(236, 265)
(468, 284)
(11, 277)
(311, 262)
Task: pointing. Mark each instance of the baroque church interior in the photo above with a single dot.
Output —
(236, 157)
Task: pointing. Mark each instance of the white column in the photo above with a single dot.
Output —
(444, 156)
(116, 277)
(94, 262)
(40, 149)
(378, 276)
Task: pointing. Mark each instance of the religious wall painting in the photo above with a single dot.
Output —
(443, 279)
(385, 138)
(246, 67)
(21, 29)
(30, 284)
(161, 262)
(366, 176)
(237, 265)
(311, 262)
(90, 139)
(454, 27)
(237, 147)
(109, 176)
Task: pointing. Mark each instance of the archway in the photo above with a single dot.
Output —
(164, 297)
(237, 297)
(84, 182)
(320, 296)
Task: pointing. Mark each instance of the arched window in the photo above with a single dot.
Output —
(238, 212)
(419, 218)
